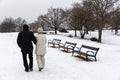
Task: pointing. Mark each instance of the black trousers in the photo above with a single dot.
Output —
(27, 57)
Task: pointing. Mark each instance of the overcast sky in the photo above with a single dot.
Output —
(30, 9)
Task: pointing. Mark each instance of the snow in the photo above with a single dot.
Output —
(61, 65)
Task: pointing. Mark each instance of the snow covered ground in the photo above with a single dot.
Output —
(61, 65)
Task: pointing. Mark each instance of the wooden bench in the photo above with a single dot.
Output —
(87, 51)
(67, 46)
(54, 42)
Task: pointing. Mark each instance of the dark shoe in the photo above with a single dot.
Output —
(40, 69)
(31, 69)
(27, 70)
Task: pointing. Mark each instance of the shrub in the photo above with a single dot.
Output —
(63, 30)
(93, 39)
(70, 35)
(51, 33)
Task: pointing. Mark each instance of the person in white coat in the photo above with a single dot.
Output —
(40, 50)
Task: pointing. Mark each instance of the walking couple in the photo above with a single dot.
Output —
(24, 41)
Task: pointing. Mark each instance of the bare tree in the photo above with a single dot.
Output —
(54, 18)
(41, 21)
(71, 19)
(100, 9)
(8, 25)
(78, 17)
(115, 20)
(88, 16)
(19, 23)
(34, 26)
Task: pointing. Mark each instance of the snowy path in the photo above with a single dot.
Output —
(59, 65)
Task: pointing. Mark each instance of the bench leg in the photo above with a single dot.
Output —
(58, 46)
(54, 45)
(95, 59)
(64, 49)
(72, 53)
(86, 58)
(67, 49)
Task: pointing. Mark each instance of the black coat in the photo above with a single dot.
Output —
(25, 39)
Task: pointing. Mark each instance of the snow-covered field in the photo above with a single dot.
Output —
(61, 65)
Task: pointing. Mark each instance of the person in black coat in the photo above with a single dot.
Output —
(24, 41)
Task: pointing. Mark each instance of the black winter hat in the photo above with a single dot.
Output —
(25, 26)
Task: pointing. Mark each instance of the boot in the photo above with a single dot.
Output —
(40, 69)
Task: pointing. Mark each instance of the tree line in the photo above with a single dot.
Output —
(84, 16)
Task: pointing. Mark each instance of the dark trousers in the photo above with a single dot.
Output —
(25, 60)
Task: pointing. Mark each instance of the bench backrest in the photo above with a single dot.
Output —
(70, 43)
(57, 40)
(90, 48)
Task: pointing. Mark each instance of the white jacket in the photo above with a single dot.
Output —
(40, 45)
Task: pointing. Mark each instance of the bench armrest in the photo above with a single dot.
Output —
(77, 48)
(62, 44)
(90, 52)
(70, 46)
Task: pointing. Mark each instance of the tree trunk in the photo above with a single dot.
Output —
(116, 30)
(87, 31)
(75, 32)
(99, 35)
(82, 33)
(55, 31)
(82, 36)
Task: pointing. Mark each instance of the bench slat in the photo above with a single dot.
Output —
(90, 47)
